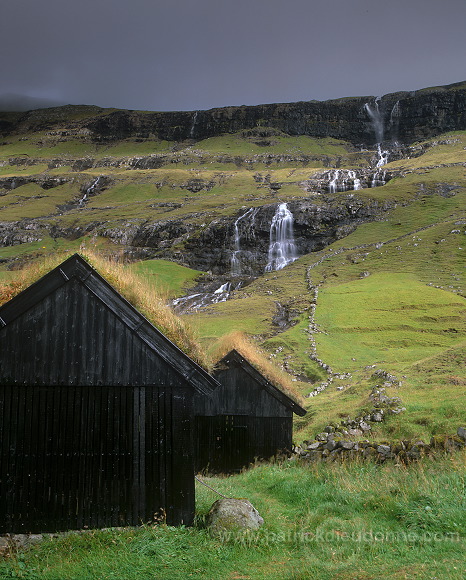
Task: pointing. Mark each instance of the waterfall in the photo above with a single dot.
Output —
(193, 125)
(395, 114)
(235, 263)
(376, 119)
(356, 181)
(377, 124)
(379, 179)
(221, 294)
(383, 156)
(333, 186)
(88, 191)
(343, 180)
(282, 249)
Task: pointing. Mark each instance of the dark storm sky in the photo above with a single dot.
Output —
(198, 54)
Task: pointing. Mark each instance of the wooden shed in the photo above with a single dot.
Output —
(246, 418)
(96, 410)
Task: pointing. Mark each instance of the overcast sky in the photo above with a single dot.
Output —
(199, 54)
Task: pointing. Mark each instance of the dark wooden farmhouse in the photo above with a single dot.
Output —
(96, 410)
(246, 418)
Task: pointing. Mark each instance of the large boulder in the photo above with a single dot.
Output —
(233, 515)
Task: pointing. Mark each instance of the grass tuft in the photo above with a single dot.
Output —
(257, 358)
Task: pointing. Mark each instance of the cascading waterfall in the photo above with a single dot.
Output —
(395, 115)
(383, 156)
(282, 249)
(88, 192)
(356, 181)
(379, 179)
(343, 180)
(376, 119)
(235, 263)
(378, 126)
(333, 184)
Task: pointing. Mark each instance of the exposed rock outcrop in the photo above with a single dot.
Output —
(407, 117)
(404, 117)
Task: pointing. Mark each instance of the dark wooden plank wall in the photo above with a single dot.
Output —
(227, 443)
(240, 422)
(240, 394)
(74, 457)
(96, 428)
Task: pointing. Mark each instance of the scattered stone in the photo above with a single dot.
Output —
(232, 515)
(370, 452)
(384, 449)
(355, 432)
(331, 445)
(4, 545)
(402, 452)
(315, 445)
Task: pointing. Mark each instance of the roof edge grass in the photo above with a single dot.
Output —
(275, 391)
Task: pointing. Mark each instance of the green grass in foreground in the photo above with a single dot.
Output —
(358, 521)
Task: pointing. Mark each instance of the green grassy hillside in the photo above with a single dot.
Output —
(391, 294)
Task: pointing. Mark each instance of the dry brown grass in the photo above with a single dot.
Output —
(258, 359)
(130, 286)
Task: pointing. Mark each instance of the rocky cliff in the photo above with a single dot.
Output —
(405, 117)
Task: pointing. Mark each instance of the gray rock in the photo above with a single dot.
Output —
(331, 445)
(461, 432)
(384, 449)
(355, 432)
(347, 445)
(364, 426)
(315, 455)
(315, 445)
(377, 417)
(232, 515)
(369, 452)
(413, 453)
(4, 545)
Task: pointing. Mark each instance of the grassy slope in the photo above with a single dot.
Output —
(406, 317)
(409, 309)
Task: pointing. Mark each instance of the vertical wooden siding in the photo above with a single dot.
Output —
(240, 422)
(227, 443)
(72, 338)
(75, 457)
(95, 427)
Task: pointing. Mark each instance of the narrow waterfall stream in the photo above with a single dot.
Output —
(282, 249)
(378, 125)
(88, 192)
(235, 262)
